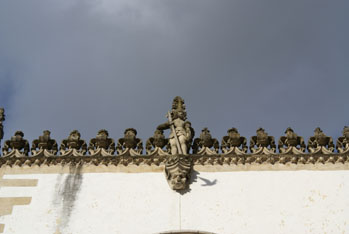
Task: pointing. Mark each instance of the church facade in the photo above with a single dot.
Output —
(175, 183)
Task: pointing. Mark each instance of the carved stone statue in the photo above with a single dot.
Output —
(262, 143)
(130, 144)
(182, 133)
(320, 143)
(16, 146)
(343, 141)
(44, 145)
(2, 118)
(291, 143)
(178, 171)
(158, 144)
(102, 145)
(234, 143)
(205, 145)
(73, 145)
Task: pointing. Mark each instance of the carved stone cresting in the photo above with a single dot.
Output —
(16, 146)
(262, 143)
(2, 119)
(342, 145)
(182, 133)
(320, 143)
(291, 143)
(102, 145)
(205, 145)
(130, 144)
(158, 144)
(234, 143)
(73, 145)
(44, 145)
(178, 170)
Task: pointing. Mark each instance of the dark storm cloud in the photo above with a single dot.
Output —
(118, 64)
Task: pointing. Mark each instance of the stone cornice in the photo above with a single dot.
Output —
(157, 160)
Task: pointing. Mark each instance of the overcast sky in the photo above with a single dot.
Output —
(115, 64)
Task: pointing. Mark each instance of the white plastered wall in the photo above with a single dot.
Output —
(219, 202)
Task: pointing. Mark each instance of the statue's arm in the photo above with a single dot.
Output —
(164, 126)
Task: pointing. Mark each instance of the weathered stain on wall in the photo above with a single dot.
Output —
(66, 194)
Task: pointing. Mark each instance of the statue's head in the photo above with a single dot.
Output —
(178, 180)
(290, 133)
(261, 133)
(130, 133)
(74, 135)
(233, 133)
(205, 133)
(46, 136)
(2, 114)
(102, 134)
(18, 136)
(346, 132)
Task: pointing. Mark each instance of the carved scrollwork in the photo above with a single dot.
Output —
(291, 143)
(262, 143)
(16, 146)
(158, 144)
(130, 144)
(44, 145)
(102, 145)
(205, 145)
(178, 170)
(320, 143)
(234, 143)
(343, 141)
(73, 145)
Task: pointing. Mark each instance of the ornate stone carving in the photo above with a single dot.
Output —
(182, 133)
(178, 170)
(205, 145)
(234, 143)
(291, 143)
(158, 144)
(102, 145)
(44, 145)
(130, 144)
(262, 143)
(320, 143)
(342, 145)
(16, 146)
(2, 118)
(73, 145)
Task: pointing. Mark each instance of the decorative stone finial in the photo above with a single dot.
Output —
(16, 146)
(102, 145)
(291, 143)
(73, 145)
(262, 143)
(342, 145)
(205, 145)
(44, 145)
(178, 170)
(320, 143)
(158, 144)
(234, 143)
(130, 144)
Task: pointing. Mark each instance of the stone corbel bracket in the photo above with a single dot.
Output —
(178, 171)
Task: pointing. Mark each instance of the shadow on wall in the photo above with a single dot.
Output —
(193, 179)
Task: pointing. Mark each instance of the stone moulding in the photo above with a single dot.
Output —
(20, 160)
